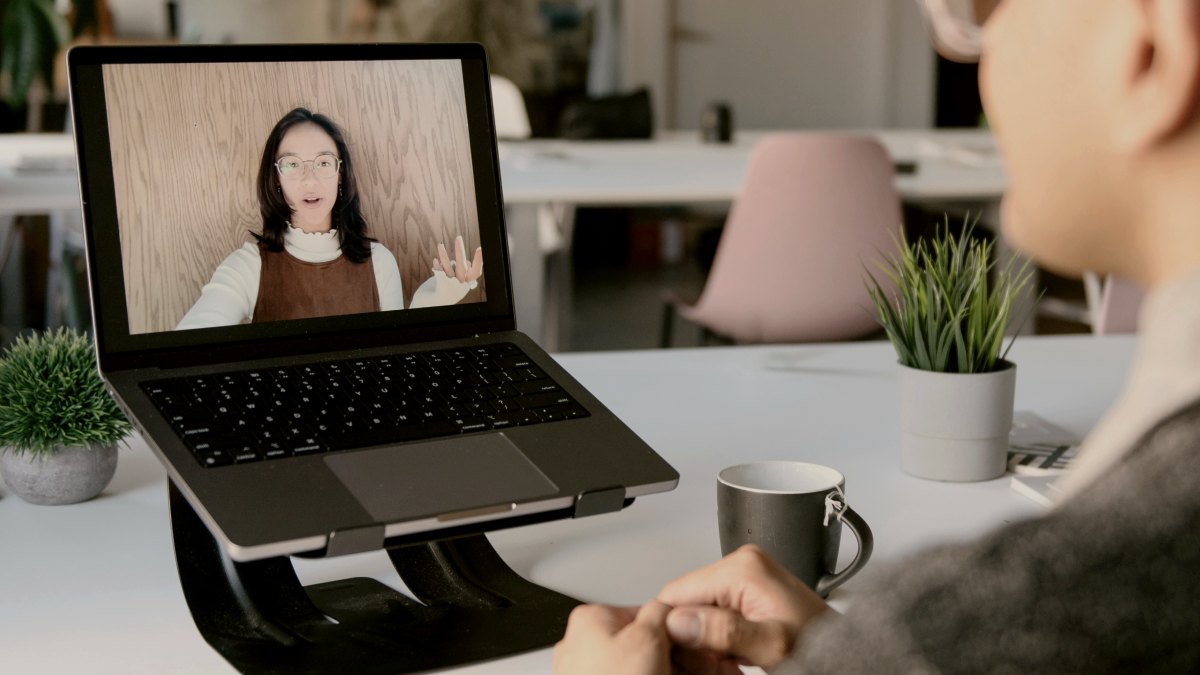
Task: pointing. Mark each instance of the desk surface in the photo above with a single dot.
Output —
(37, 173)
(673, 169)
(92, 587)
(676, 168)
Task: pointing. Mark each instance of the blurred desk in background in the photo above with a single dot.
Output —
(950, 166)
(959, 167)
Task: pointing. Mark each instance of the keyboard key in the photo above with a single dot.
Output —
(505, 405)
(503, 390)
(543, 400)
(507, 376)
(310, 448)
(245, 455)
(533, 373)
(560, 412)
(282, 374)
(210, 458)
(203, 443)
(525, 417)
(552, 414)
(575, 411)
(503, 420)
(518, 361)
(202, 428)
(536, 386)
(469, 424)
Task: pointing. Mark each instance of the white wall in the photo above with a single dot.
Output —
(782, 63)
(139, 18)
(217, 21)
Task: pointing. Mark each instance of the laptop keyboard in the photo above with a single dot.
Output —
(271, 413)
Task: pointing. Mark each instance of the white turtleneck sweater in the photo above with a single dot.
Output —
(230, 296)
(1164, 377)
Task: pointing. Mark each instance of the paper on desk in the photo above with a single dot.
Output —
(45, 163)
(1029, 428)
(1039, 453)
(1040, 489)
(965, 153)
(1038, 446)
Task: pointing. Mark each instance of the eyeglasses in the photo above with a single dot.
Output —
(957, 26)
(325, 166)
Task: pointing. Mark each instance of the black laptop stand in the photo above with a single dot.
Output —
(472, 608)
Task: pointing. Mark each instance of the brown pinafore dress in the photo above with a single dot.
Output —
(289, 288)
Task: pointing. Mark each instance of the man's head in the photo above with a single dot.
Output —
(1093, 105)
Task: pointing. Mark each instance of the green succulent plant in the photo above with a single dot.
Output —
(32, 33)
(951, 304)
(51, 395)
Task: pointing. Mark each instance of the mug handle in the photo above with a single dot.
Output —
(866, 543)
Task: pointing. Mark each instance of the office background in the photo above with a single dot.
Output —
(779, 64)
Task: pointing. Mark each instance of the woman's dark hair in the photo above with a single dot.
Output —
(347, 213)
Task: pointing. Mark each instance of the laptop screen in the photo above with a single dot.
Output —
(238, 197)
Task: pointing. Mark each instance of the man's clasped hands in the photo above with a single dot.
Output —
(745, 609)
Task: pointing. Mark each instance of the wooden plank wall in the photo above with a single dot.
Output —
(187, 140)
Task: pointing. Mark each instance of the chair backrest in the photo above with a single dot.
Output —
(816, 212)
(512, 119)
(1119, 304)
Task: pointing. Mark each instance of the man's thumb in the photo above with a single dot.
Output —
(726, 632)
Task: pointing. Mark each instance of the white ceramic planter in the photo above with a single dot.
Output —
(66, 476)
(954, 427)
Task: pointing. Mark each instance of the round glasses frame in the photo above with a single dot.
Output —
(324, 166)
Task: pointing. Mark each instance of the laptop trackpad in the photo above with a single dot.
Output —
(422, 480)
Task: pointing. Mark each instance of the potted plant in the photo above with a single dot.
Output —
(947, 319)
(59, 428)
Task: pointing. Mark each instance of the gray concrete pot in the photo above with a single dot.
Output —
(953, 426)
(66, 476)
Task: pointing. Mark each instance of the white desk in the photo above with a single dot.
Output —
(37, 174)
(952, 166)
(91, 588)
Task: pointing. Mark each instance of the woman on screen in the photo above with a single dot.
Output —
(314, 256)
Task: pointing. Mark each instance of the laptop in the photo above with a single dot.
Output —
(327, 391)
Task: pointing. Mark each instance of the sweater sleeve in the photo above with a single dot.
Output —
(387, 278)
(1106, 583)
(229, 297)
(438, 290)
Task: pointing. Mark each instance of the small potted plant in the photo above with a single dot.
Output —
(947, 319)
(59, 428)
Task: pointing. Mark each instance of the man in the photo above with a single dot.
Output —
(1094, 108)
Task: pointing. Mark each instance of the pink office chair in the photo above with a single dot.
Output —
(815, 213)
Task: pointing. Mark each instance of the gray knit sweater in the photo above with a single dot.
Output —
(1109, 582)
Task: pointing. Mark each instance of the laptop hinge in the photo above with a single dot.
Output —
(355, 540)
(595, 502)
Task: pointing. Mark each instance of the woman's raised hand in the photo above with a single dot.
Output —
(458, 268)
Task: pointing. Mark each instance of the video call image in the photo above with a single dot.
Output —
(261, 192)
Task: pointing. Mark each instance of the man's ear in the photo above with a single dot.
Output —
(1162, 81)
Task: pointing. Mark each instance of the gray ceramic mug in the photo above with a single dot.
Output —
(794, 511)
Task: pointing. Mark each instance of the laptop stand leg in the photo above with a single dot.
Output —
(259, 617)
